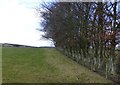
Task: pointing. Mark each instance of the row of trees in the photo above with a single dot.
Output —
(87, 32)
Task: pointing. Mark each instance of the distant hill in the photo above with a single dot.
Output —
(15, 45)
(19, 45)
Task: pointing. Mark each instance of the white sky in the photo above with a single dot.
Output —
(18, 23)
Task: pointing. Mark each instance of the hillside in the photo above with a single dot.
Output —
(44, 65)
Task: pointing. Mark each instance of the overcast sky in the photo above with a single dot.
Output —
(19, 21)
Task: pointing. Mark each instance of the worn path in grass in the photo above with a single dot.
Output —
(44, 65)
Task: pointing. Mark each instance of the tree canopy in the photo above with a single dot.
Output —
(85, 31)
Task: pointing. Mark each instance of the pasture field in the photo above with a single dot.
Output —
(44, 65)
(0, 64)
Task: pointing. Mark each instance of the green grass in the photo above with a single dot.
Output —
(0, 63)
(44, 65)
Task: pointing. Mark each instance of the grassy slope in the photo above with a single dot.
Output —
(39, 65)
(0, 64)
